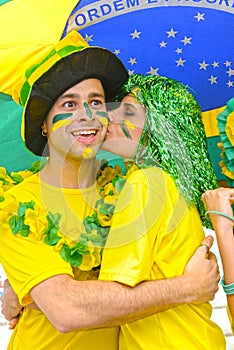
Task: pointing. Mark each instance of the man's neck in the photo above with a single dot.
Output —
(70, 174)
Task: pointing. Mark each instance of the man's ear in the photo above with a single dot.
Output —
(43, 127)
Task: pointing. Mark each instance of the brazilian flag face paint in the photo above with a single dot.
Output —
(103, 119)
(125, 130)
(63, 116)
(102, 114)
(87, 110)
(61, 120)
(129, 124)
(87, 153)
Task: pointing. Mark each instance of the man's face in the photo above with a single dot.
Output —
(76, 124)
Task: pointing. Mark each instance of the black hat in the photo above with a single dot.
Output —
(65, 66)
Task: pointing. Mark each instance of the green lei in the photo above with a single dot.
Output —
(85, 253)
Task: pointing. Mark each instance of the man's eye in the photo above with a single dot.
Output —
(95, 103)
(69, 104)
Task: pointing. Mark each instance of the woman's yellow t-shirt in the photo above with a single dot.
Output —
(153, 235)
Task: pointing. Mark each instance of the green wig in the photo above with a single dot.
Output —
(173, 136)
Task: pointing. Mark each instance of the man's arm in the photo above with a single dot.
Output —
(73, 305)
(80, 305)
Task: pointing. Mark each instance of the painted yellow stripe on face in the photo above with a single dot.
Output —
(129, 124)
(60, 124)
(103, 121)
(61, 116)
(125, 130)
(87, 153)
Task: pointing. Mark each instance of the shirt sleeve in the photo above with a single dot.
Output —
(27, 261)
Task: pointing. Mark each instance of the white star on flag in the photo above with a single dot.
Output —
(200, 16)
(135, 35)
(186, 40)
(215, 64)
(163, 44)
(227, 63)
(132, 61)
(180, 62)
(171, 33)
(230, 72)
(213, 80)
(88, 38)
(230, 83)
(203, 65)
(153, 71)
(179, 51)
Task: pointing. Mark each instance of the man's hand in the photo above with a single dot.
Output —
(203, 270)
(11, 308)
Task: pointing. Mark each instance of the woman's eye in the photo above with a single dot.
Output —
(129, 113)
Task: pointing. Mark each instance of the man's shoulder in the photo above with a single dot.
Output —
(28, 186)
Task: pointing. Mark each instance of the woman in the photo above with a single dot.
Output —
(172, 136)
(155, 227)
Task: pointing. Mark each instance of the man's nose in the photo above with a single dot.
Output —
(85, 113)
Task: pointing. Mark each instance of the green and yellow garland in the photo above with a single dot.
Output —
(225, 121)
(28, 219)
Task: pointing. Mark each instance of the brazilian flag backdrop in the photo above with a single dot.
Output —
(188, 40)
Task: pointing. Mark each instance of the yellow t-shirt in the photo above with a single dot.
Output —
(28, 261)
(153, 235)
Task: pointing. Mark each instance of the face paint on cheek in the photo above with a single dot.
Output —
(129, 124)
(87, 153)
(103, 119)
(61, 120)
(125, 130)
(87, 110)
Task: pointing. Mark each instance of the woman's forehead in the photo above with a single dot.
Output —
(130, 98)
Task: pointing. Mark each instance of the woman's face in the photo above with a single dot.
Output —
(125, 127)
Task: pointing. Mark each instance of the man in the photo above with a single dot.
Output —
(64, 99)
